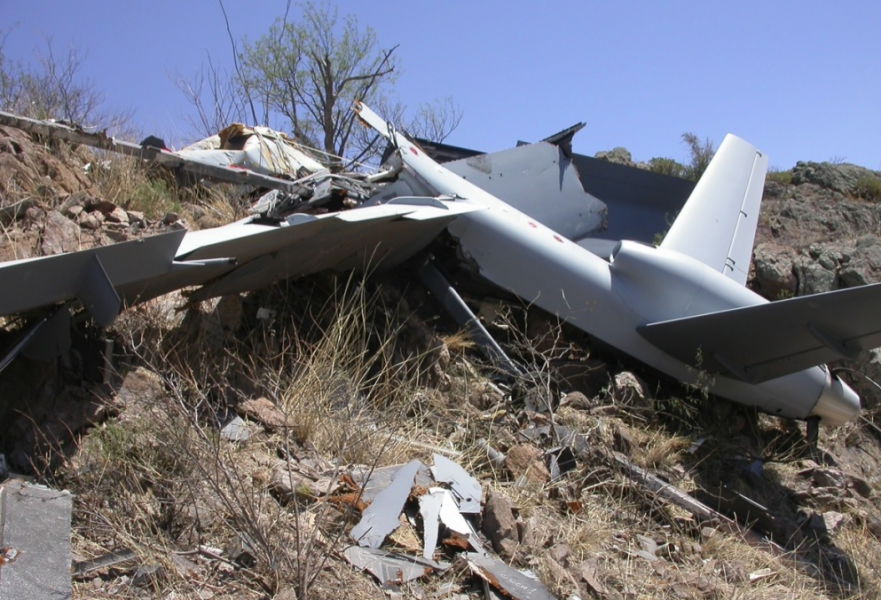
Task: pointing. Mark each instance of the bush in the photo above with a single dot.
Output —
(701, 153)
(868, 188)
(666, 166)
(781, 177)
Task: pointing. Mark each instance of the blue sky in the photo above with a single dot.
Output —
(801, 80)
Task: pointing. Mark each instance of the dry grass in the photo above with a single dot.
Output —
(161, 480)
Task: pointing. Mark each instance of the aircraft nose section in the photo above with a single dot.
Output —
(838, 403)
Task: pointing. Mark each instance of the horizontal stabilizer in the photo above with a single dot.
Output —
(767, 341)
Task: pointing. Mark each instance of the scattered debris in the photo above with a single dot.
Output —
(84, 567)
(463, 485)
(511, 582)
(236, 430)
(381, 517)
(389, 567)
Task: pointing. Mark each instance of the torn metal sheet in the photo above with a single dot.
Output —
(381, 517)
(429, 509)
(259, 149)
(439, 507)
(539, 180)
(372, 482)
(511, 582)
(447, 295)
(466, 489)
(389, 567)
(49, 279)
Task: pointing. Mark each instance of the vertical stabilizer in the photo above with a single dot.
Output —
(717, 225)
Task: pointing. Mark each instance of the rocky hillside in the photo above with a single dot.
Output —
(224, 449)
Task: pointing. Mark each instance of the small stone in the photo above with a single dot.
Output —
(500, 526)
(236, 431)
(578, 401)
(90, 220)
(829, 478)
(265, 412)
(631, 391)
(859, 485)
(526, 461)
(118, 215)
(832, 521)
(60, 235)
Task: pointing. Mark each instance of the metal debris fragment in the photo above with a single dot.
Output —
(465, 487)
(372, 482)
(389, 567)
(439, 507)
(511, 582)
(381, 517)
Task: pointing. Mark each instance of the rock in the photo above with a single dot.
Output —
(774, 275)
(500, 526)
(118, 215)
(859, 485)
(264, 412)
(829, 478)
(140, 388)
(60, 234)
(839, 177)
(814, 278)
(631, 391)
(619, 155)
(560, 553)
(578, 401)
(90, 220)
(526, 461)
(832, 521)
(236, 431)
(170, 218)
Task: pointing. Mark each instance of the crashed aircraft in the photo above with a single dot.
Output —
(681, 308)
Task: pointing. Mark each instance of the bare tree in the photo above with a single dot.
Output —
(215, 94)
(54, 88)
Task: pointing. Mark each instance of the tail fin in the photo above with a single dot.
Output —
(717, 225)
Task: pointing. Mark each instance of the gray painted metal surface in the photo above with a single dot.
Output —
(381, 517)
(35, 522)
(539, 180)
(639, 285)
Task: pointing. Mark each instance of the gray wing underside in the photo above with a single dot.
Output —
(767, 341)
(235, 258)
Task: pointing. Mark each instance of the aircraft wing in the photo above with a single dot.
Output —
(237, 257)
(366, 238)
(767, 341)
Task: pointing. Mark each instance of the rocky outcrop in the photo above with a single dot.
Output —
(843, 177)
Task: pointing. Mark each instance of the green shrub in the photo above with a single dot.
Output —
(700, 155)
(868, 188)
(782, 177)
(666, 166)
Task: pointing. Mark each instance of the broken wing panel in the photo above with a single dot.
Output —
(363, 239)
(538, 180)
(767, 341)
(36, 282)
(717, 225)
